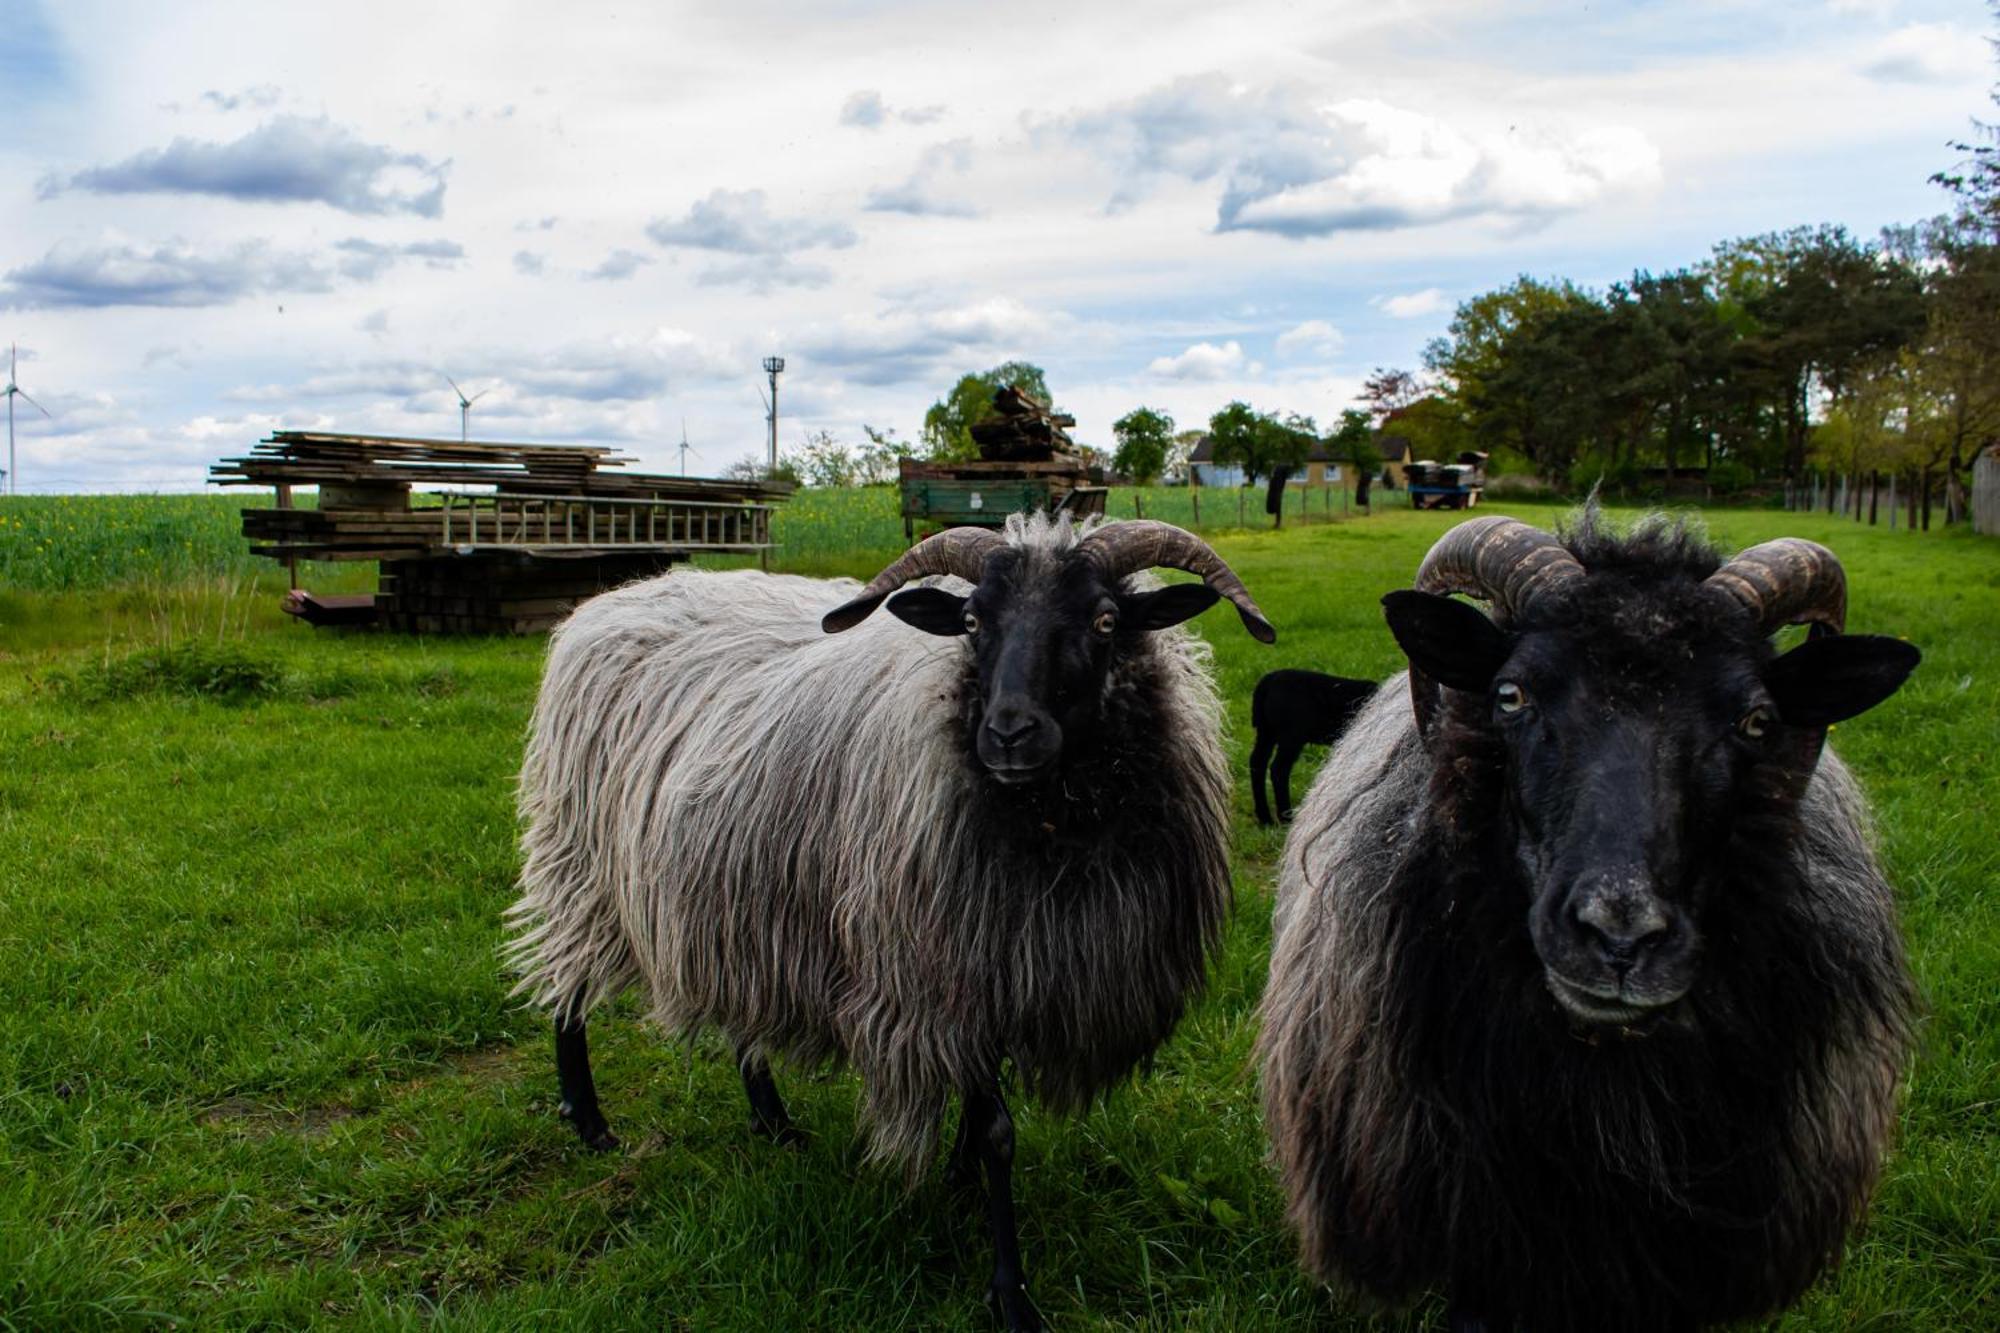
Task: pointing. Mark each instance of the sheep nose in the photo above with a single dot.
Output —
(1010, 729)
(1621, 925)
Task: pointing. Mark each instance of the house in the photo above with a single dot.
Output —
(1203, 470)
(1322, 469)
(1395, 451)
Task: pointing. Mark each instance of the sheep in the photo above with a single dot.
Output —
(1001, 839)
(1587, 1001)
(1290, 710)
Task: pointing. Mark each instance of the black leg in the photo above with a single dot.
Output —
(992, 1133)
(579, 1091)
(961, 1168)
(768, 1115)
(1260, 755)
(1281, 779)
(1462, 1320)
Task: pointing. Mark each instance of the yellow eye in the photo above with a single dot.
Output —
(1106, 622)
(1510, 697)
(971, 623)
(1755, 723)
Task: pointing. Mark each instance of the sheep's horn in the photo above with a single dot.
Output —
(1786, 582)
(1500, 560)
(1146, 543)
(960, 551)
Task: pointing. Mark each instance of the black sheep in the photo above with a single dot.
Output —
(1291, 710)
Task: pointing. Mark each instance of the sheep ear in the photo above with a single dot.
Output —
(1447, 640)
(1165, 606)
(932, 610)
(1830, 679)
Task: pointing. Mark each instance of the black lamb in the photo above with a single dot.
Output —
(1292, 709)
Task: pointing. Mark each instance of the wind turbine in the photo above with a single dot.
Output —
(15, 391)
(464, 403)
(686, 448)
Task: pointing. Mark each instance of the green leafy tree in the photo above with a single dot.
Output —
(1258, 442)
(1354, 442)
(1144, 436)
(947, 432)
(879, 461)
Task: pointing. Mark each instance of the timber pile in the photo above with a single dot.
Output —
(366, 463)
(1025, 430)
(526, 532)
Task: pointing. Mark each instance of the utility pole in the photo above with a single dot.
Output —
(774, 366)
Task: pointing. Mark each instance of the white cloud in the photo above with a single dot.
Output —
(899, 345)
(1315, 337)
(1929, 53)
(1295, 165)
(1203, 361)
(288, 159)
(939, 186)
(740, 222)
(615, 267)
(1412, 304)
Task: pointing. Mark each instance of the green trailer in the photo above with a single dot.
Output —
(953, 495)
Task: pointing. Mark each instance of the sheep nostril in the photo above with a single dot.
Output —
(1011, 731)
(1621, 931)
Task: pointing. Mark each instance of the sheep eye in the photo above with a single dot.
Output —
(971, 623)
(1510, 698)
(1755, 723)
(1106, 622)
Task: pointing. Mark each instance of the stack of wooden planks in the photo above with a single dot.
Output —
(1024, 429)
(522, 532)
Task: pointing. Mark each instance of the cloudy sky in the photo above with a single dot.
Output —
(216, 219)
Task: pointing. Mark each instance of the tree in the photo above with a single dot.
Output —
(1387, 390)
(822, 460)
(880, 459)
(1258, 442)
(1354, 442)
(1143, 436)
(947, 432)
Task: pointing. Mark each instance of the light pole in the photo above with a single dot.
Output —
(774, 366)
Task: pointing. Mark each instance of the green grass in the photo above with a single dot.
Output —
(258, 1067)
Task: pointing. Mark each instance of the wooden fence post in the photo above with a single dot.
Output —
(1194, 493)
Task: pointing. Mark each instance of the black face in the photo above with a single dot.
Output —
(1627, 762)
(1042, 641)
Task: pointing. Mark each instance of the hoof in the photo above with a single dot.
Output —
(1010, 1304)
(1284, 816)
(595, 1131)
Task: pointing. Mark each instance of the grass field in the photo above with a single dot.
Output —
(258, 1067)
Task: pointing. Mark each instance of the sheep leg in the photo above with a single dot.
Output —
(1260, 755)
(992, 1133)
(1281, 779)
(961, 1170)
(579, 1090)
(768, 1115)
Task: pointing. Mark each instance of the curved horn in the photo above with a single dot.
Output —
(1786, 582)
(1146, 543)
(960, 551)
(1500, 560)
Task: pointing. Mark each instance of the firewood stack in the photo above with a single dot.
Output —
(1025, 431)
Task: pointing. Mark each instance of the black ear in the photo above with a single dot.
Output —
(1165, 606)
(932, 610)
(1447, 640)
(1830, 679)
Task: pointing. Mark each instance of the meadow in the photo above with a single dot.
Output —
(259, 1068)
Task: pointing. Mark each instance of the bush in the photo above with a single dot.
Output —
(200, 670)
(1730, 476)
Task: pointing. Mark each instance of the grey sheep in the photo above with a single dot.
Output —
(1001, 840)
